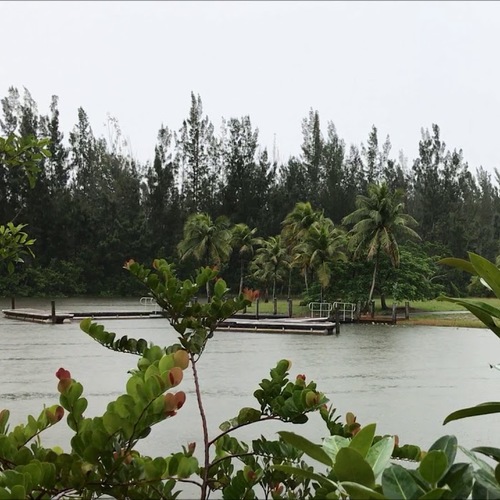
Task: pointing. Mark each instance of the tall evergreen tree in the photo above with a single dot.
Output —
(442, 195)
(242, 183)
(312, 155)
(197, 148)
(164, 213)
(371, 156)
(333, 195)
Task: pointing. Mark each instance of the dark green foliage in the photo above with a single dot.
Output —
(95, 206)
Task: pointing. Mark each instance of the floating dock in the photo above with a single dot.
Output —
(281, 325)
(37, 315)
(117, 314)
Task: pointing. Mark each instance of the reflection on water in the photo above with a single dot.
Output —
(407, 379)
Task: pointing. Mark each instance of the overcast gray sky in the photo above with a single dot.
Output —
(398, 65)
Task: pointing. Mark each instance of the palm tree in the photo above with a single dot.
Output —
(320, 248)
(208, 241)
(295, 227)
(271, 262)
(299, 220)
(378, 220)
(244, 241)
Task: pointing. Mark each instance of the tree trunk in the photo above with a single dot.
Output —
(289, 283)
(208, 291)
(274, 287)
(305, 280)
(207, 257)
(375, 269)
(241, 277)
(383, 303)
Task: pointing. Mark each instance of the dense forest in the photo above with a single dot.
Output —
(94, 206)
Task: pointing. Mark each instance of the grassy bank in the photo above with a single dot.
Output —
(465, 320)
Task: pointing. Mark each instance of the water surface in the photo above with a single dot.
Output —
(405, 378)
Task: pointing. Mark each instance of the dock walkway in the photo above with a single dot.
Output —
(37, 315)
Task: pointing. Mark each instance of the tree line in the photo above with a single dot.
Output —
(94, 205)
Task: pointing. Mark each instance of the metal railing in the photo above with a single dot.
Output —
(346, 310)
(320, 309)
(149, 302)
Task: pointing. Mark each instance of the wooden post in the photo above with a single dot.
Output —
(257, 308)
(337, 320)
(407, 310)
(372, 307)
(12, 302)
(290, 305)
(53, 312)
(275, 306)
(394, 313)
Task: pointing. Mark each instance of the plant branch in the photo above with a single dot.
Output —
(270, 417)
(204, 426)
(237, 455)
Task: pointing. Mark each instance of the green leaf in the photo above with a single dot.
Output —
(18, 491)
(332, 445)
(488, 482)
(166, 363)
(478, 461)
(362, 441)
(398, 484)
(311, 449)
(247, 415)
(351, 466)
(112, 423)
(462, 264)
(488, 451)
(360, 492)
(473, 411)
(434, 494)
(479, 492)
(487, 270)
(379, 455)
(459, 479)
(220, 288)
(448, 444)
(433, 466)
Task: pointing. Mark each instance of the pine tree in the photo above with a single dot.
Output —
(162, 201)
(312, 154)
(197, 148)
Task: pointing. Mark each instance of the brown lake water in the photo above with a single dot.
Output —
(404, 378)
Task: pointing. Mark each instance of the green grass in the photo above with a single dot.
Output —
(438, 305)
